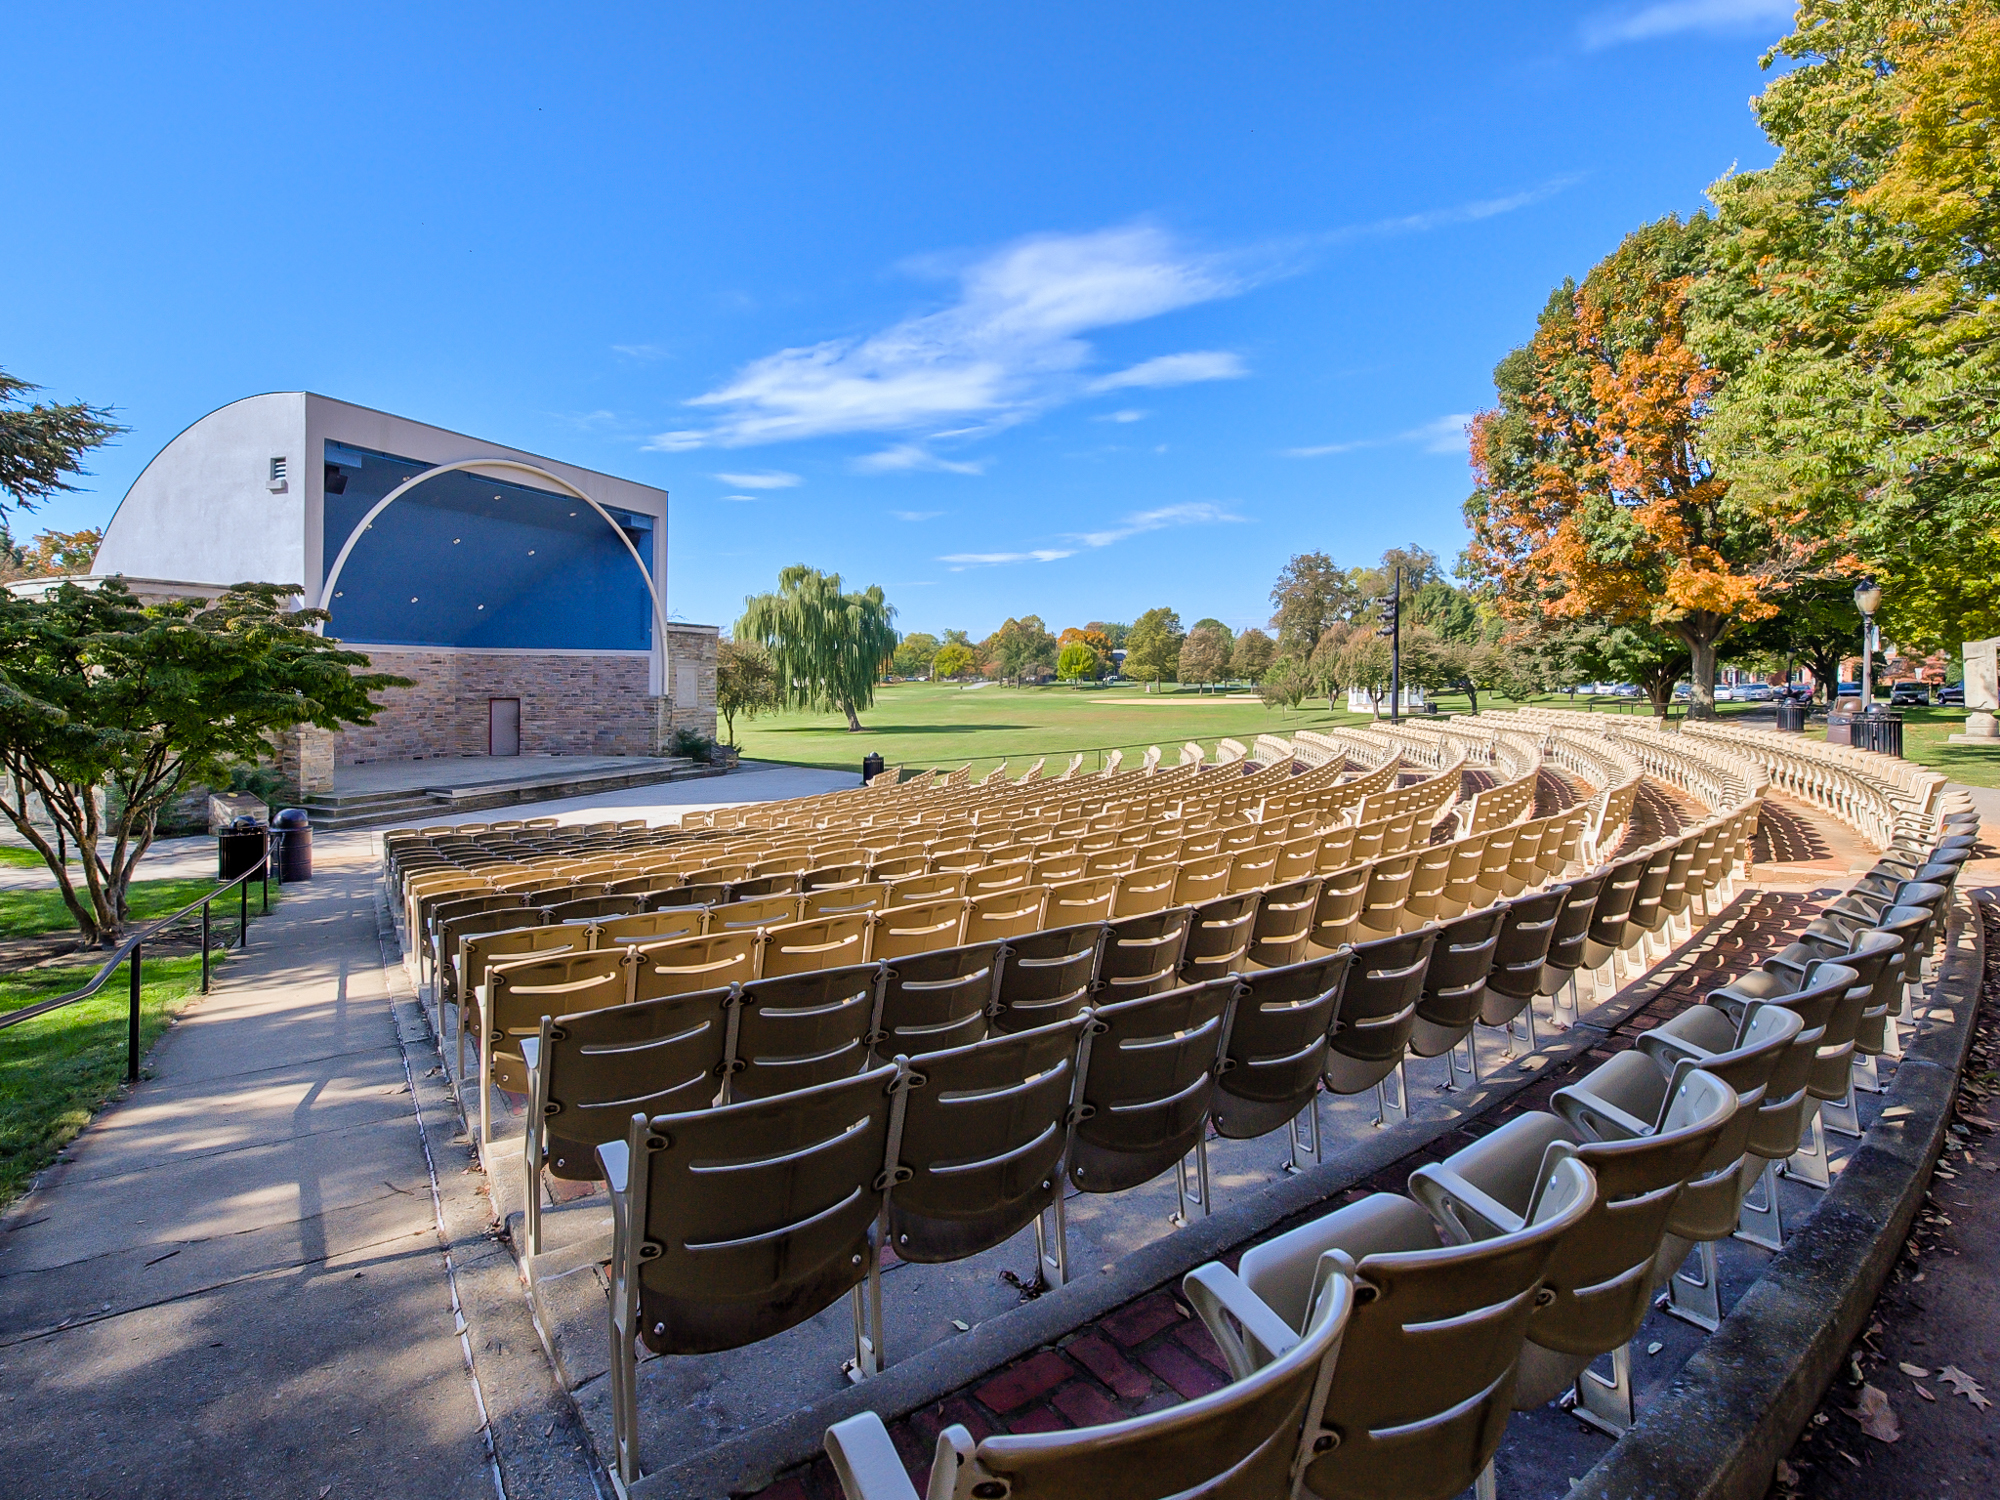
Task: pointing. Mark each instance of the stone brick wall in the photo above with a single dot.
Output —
(692, 649)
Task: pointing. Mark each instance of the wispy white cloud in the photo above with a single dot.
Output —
(1457, 213)
(1670, 17)
(1011, 343)
(904, 458)
(916, 515)
(1444, 434)
(1129, 414)
(762, 479)
(1175, 369)
(1190, 513)
(960, 561)
(751, 498)
(641, 351)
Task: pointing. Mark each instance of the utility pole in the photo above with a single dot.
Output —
(1394, 631)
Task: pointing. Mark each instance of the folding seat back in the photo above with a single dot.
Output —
(933, 1001)
(1425, 902)
(450, 930)
(1079, 901)
(1219, 934)
(1871, 955)
(478, 952)
(1560, 843)
(735, 1223)
(1152, 1070)
(1337, 917)
(590, 908)
(1277, 1044)
(1282, 932)
(648, 927)
(1520, 958)
(1057, 868)
(718, 874)
(519, 995)
(842, 900)
(752, 914)
(651, 883)
(1378, 1010)
(1608, 918)
(1336, 849)
(1420, 1396)
(1647, 914)
(761, 887)
(990, 878)
(1572, 930)
(1496, 862)
(958, 861)
(1004, 914)
(790, 863)
(1243, 1442)
(822, 943)
(1202, 880)
(1886, 997)
(1454, 988)
(913, 890)
(920, 928)
(594, 1069)
(802, 1030)
(984, 1134)
(1160, 851)
(1388, 890)
(827, 875)
(1524, 866)
(1142, 955)
(680, 966)
(1298, 857)
(891, 868)
(1047, 976)
(1149, 888)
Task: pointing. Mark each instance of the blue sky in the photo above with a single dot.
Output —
(1068, 309)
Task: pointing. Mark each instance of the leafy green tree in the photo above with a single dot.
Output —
(1286, 683)
(953, 662)
(41, 445)
(746, 682)
(1419, 567)
(958, 638)
(1360, 661)
(827, 647)
(110, 709)
(1854, 308)
(914, 652)
(1819, 627)
(1448, 611)
(1253, 654)
(52, 554)
(1019, 649)
(1114, 632)
(1153, 647)
(1311, 595)
(1204, 655)
(1077, 662)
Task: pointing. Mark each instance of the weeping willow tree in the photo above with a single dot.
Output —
(828, 647)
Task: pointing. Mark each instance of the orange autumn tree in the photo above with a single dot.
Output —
(1593, 500)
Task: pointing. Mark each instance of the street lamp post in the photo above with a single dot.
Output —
(1868, 599)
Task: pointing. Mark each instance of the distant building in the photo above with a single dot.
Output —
(515, 590)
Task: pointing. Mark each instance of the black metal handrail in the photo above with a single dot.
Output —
(134, 948)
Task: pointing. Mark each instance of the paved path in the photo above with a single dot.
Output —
(234, 1285)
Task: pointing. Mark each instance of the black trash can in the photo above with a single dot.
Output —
(1880, 732)
(1840, 729)
(238, 848)
(871, 767)
(1791, 718)
(295, 845)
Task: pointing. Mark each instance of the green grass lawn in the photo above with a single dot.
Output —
(27, 913)
(920, 724)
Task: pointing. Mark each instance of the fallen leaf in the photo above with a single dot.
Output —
(1876, 1416)
(1964, 1385)
(961, 1325)
(1896, 1112)
(1917, 1370)
(1655, 1347)
(1922, 1392)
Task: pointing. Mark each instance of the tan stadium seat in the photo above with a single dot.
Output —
(1496, 863)
(1419, 1400)
(911, 890)
(1629, 1094)
(590, 1072)
(1388, 889)
(1047, 976)
(1454, 990)
(1378, 1011)
(1202, 880)
(831, 874)
(519, 994)
(899, 867)
(479, 952)
(1298, 857)
(452, 920)
(1426, 899)
(1336, 849)
(1057, 867)
(649, 927)
(752, 914)
(1148, 888)
(920, 928)
(1242, 1442)
(991, 878)
(1277, 1049)
(1219, 934)
(939, 999)
(1254, 868)
(652, 882)
(1610, 916)
(1160, 851)
(590, 908)
(1282, 932)
(761, 887)
(680, 966)
(842, 900)
(1112, 861)
(1146, 1091)
(1572, 935)
(802, 1030)
(1602, 1269)
(1337, 916)
(961, 861)
(1142, 954)
(1520, 960)
(1831, 1079)
(1004, 914)
(822, 943)
(1079, 901)
(1200, 844)
(984, 1135)
(733, 1224)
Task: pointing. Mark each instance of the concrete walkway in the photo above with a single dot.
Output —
(238, 1284)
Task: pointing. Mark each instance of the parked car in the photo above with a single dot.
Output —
(1724, 693)
(1797, 692)
(1952, 695)
(1910, 695)
(1755, 692)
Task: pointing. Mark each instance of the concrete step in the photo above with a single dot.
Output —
(446, 803)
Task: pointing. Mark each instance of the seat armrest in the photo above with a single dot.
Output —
(1463, 1212)
(1242, 1324)
(866, 1462)
(1666, 1049)
(1598, 1119)
(616, 1159)
(531, 1051)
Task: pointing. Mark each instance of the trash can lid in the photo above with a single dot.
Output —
(243, 824)
(292, 817)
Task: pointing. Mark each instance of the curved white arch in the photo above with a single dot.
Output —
(652, 589)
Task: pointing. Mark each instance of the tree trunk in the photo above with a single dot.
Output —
(853, 721)
(1701, 674)
(1472, 693)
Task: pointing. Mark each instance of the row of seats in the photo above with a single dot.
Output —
(1866, 791)
(1377, 1351)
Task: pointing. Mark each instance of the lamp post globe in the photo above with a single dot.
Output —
(1867, 598)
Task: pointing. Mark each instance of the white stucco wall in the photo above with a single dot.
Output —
(202, 509)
